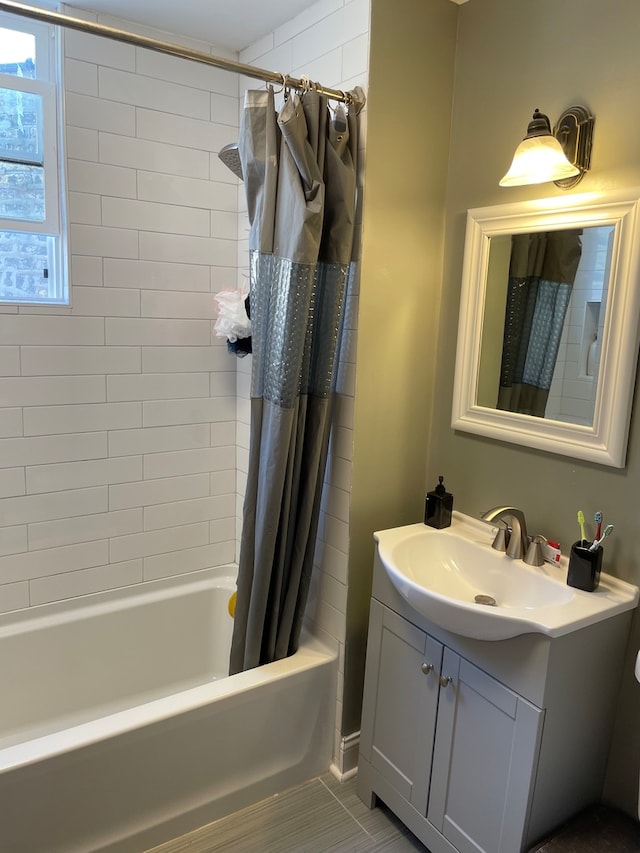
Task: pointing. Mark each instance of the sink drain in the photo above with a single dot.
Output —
(485, 599)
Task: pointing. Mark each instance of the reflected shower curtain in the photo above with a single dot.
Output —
(542, 271)
(299, 170)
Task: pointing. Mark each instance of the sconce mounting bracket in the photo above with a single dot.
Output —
(574, 131)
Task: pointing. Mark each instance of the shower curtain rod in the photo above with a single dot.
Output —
(58, 19)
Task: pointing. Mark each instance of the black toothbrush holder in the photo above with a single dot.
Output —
(584, 566)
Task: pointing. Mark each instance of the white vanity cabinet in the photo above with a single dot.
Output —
(401, 699)
(478, 746)
(484, 760)
(455, 743)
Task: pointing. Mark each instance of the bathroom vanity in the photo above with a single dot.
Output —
(484, 745)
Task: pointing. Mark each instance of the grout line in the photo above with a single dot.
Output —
(351, 815)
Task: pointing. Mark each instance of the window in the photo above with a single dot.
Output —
(31, 209)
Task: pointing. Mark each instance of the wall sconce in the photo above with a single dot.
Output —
(562, 156)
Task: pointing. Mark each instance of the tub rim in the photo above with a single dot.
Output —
(94, 603)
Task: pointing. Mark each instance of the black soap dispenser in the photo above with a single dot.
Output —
(438, 506)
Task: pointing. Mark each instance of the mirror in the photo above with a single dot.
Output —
(544, 312)
(549, 319)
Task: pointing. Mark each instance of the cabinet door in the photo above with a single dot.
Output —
(484, 761)
(400, 703)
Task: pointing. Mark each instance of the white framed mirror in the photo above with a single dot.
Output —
(549, 324)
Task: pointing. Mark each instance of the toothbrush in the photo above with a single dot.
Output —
(608, 529)
(581, 523)
(598, 520)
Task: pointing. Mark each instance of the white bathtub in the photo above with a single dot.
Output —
(118, 729)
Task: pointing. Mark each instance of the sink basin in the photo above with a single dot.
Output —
(456, 579)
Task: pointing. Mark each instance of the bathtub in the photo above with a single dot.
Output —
(119, 729)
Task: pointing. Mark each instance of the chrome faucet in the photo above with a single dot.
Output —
(517, 543)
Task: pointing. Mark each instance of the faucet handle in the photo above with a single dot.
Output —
(534, 555)
(501, 539)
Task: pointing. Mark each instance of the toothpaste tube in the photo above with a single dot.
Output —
(551, 552)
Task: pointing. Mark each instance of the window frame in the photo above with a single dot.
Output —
(48, 86)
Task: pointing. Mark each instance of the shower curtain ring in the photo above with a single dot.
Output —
(284, 78)
(345, 97)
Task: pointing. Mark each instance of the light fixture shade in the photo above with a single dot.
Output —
(538, 159)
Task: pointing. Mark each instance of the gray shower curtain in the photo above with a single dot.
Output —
(299, 168)
(542, 271)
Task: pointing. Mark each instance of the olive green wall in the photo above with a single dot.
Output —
(514, 56)
(510, 56)
(495, 305)
(408, 120)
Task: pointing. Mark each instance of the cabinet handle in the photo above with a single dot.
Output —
(445, 680)
(426, 668)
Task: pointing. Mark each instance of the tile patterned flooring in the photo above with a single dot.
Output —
(322, 815)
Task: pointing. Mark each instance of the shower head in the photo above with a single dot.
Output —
(231, 159)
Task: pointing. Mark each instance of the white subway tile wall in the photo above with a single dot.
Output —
(117, 415)
(574, 385)
(123, 421)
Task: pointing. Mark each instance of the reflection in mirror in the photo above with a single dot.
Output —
(549, 322)
(544, 311)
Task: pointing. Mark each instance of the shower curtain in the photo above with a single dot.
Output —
(299, 168)
(542, 271)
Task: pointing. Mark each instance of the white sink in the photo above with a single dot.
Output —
(440, 573)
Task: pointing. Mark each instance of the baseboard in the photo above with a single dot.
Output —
(346, 764)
